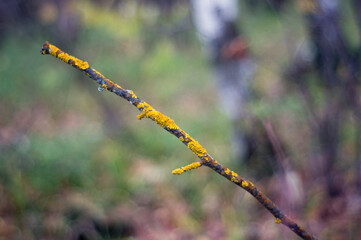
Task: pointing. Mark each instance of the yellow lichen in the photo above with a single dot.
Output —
(140, 105)
(244, 184)
(171, 124)
(189, 167)
(161, 119)
(53, 50)
(156, 116)
(142, 115)
(80, 64)
(234, 177)
(153, 114)
(177, 171)
(278, 221)
(196, 148)
(145, 108)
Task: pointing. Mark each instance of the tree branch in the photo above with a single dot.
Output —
(169, 125)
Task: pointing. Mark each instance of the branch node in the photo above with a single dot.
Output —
(142, 115)
(102, 87)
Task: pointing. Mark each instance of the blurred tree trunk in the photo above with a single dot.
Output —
(232, 66)
(325, 34)
(338, 69)
(357, 10)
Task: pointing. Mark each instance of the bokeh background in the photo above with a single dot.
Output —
(75, 163)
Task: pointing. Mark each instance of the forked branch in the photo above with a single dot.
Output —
(168, 124)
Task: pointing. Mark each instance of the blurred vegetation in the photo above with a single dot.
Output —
(77, 164)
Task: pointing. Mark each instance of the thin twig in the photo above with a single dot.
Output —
(169, 125)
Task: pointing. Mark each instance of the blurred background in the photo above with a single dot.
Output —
(270, 88)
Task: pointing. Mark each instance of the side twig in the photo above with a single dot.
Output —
(168, 124)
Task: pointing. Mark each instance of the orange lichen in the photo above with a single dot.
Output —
(189, 167)
(278, 221)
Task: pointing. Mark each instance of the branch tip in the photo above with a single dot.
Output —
(189, 167)
(46, 48)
